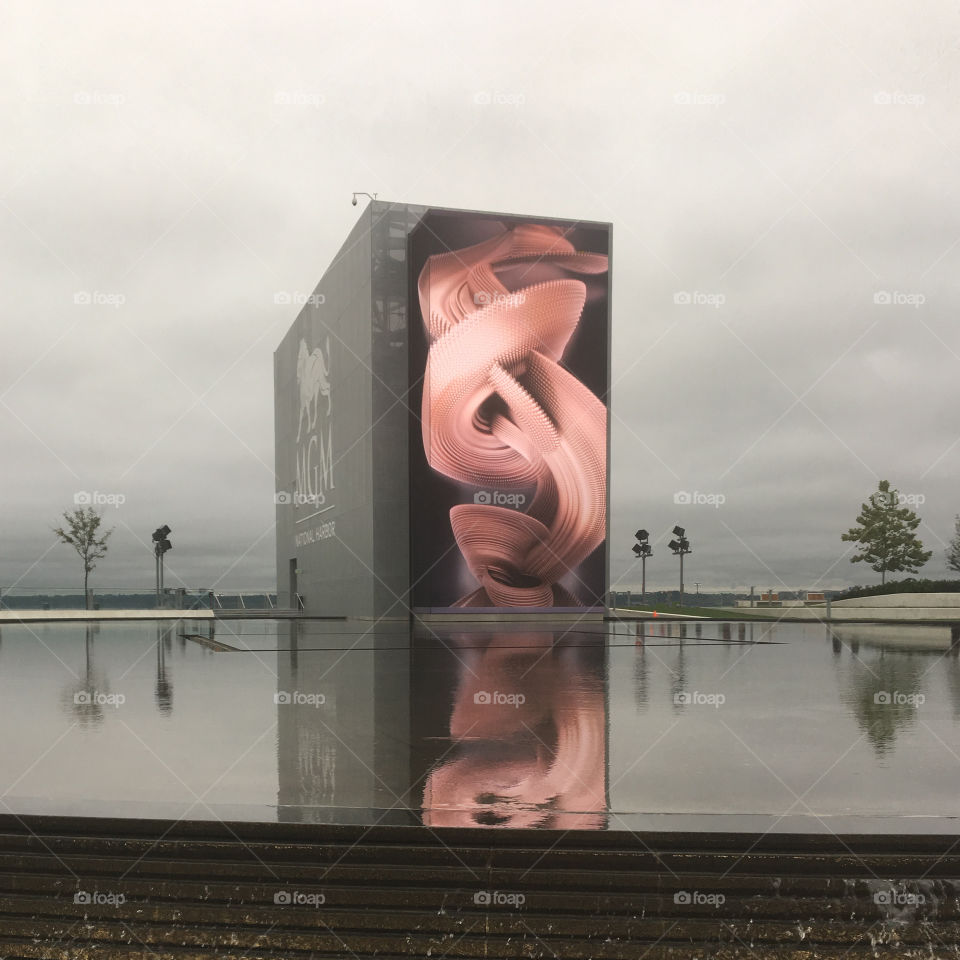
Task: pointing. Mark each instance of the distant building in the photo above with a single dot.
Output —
(441, 433)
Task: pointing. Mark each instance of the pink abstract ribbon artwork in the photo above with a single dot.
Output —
(540, 763)
(501, 412)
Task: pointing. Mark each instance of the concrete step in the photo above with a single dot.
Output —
(191, 890)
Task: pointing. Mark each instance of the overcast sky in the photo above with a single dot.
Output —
(167, 169)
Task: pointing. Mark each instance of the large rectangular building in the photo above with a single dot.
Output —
(442, 430)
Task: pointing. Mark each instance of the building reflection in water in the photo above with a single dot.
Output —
(350, 753)
(524, 740)
(515, 728)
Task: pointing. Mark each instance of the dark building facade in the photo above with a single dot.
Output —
(441, 419)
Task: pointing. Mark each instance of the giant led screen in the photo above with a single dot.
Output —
(509, 353)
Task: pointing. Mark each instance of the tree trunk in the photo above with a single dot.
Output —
(86, 593)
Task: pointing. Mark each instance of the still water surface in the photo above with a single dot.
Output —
(618, 726)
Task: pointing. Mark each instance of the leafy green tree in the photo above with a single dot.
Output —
(953, 551)
(83, 534)
(885, 532)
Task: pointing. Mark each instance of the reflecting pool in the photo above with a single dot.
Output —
(612, 726)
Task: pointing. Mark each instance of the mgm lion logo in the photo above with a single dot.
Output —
(313, 380)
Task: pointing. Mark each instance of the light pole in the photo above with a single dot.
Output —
(160, 546)
(680, 547)
(643, 550)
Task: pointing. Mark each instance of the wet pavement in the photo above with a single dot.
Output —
(784, 727)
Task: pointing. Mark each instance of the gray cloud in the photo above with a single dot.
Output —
(795, 160)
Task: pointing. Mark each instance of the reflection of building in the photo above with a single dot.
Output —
(521, 741)
(464, 453)
(342, 737)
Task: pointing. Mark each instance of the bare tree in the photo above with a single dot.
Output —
(82, 533)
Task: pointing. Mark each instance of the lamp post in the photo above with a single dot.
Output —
(160, 546)
(642, 549)
(680, 546)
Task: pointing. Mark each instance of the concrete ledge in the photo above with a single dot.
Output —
(908, 600)
(617, 613)
(891, 606)
(504, 616)
(40, 616)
